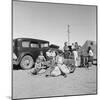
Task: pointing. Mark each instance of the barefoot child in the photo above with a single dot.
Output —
(39, 63)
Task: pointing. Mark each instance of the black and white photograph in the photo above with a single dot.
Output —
(54, 49)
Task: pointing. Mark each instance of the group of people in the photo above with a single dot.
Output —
(54, 64)
(54, 61)
(80, 59)
(73, 49)
(89, 58)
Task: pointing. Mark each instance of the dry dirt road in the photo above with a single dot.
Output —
(25, 85)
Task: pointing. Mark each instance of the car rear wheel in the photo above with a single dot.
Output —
(27, 62)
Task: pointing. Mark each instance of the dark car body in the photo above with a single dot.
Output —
(28, 46)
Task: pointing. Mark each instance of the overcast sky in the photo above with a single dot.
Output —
(49, 21)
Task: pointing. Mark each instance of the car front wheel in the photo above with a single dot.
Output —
(27, 62)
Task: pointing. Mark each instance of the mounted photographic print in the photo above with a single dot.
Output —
(54, 49)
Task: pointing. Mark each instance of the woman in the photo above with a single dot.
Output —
(75, 57)
(90, 56)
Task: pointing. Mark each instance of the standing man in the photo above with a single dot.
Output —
(76, 46)
(75, 57)
(73, 46)
(66, 50)
(65, 47)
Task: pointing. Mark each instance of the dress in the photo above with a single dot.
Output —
(90, 58)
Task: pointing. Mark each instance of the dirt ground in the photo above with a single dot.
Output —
(25, 85)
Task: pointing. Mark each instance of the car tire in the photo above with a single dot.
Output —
(27, 62)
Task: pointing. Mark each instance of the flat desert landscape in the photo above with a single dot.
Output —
(26, 85)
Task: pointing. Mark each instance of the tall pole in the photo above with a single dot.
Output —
(68, 34)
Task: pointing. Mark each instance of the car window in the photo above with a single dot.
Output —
(44, 45)
(34, 45)
(25, 44)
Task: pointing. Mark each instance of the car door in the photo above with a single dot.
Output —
(34, 49)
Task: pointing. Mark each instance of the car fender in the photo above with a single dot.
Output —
(23, 54)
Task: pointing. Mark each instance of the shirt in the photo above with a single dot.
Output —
(90, 53)
(66, 48)
(59, 60)
(41, 58)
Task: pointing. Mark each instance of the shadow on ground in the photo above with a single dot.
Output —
(16, 67)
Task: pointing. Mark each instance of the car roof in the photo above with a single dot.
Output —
(31, 39)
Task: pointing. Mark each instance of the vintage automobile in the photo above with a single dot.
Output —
(26, 50)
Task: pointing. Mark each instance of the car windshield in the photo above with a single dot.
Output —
(44, 45)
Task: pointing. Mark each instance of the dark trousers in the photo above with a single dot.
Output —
(84, 61)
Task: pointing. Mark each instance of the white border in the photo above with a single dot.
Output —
(5, 48)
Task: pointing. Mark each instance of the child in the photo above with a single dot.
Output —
(39, 63)
(41, 57)
(37, 67)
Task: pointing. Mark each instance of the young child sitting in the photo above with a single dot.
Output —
(39, 63)
(41, 57)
